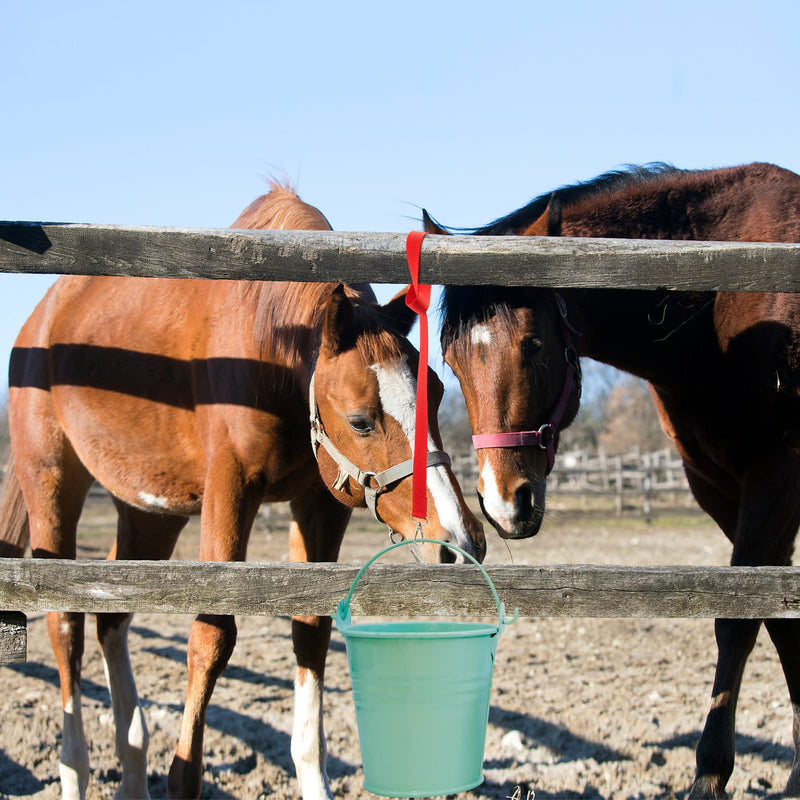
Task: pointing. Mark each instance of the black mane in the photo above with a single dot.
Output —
(462, 306)
(607, 182)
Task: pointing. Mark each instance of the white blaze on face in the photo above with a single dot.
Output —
(481, 335)
(398, 392)
(499, 509)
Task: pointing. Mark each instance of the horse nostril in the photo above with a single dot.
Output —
(446, 555)
(523, 504)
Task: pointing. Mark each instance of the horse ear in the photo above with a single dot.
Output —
(554, 213)
(549, 224)
(430, 225)
(338, 325)
(397, 310)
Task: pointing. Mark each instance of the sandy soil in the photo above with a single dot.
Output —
(580, 708)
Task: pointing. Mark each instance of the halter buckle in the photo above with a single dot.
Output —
(367, 476)
(571, 357)
(547, 435)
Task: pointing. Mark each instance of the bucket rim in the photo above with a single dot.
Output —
(403, 630)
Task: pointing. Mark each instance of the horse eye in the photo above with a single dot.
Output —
(531, 346)
(361, 425)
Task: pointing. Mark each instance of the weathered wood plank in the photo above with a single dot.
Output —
(32, 585)
(380, 258)
(13, 637)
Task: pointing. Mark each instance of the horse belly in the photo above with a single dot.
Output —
(145, 453)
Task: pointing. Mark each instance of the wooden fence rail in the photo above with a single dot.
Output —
(37, 247)
(280, 588)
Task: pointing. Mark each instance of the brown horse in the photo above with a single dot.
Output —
(192, 396)
(723, 368)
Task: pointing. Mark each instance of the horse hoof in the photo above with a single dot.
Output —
(793, 784)
(709, 787)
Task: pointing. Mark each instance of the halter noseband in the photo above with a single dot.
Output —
(545, 436)
(373, 483)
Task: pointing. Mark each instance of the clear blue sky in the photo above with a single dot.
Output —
(171, 113)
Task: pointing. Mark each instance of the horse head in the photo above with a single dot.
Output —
(363, 401)
(511, 350)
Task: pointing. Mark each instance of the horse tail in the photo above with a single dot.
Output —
(14, 530)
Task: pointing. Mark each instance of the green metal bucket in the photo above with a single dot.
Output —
(421, 692)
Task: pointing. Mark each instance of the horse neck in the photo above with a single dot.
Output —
(651, 333)
(646, 333)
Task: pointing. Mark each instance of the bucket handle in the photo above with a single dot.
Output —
(343, 616)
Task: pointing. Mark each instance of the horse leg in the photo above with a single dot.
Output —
(785, 635)
(775, 504)
(716, 748)
(66, 639)
(227, 516)
(766, 505)
(735, 640)
(140, 535)
(54, 484)
(316, 532)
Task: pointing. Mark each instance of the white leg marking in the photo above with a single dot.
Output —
(398, 392)
(309, 751)
(500, 510)
(73, 767)
(130, 728)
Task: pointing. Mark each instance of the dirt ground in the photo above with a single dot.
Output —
(580, 708)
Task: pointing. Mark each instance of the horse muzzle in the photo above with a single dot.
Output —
(520, 518)
(430, 553)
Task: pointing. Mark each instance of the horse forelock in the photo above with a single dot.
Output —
(379, 337)
(289, 317)
(464, 307)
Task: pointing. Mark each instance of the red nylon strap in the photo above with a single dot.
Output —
(418, 299)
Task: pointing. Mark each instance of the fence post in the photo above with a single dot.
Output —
(13, 637)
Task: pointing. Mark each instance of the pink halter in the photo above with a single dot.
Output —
(545, 437)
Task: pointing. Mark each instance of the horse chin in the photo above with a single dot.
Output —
(429, 553)
(522, 526)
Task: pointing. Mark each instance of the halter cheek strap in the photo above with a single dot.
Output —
(373, 483)
(545, 436)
